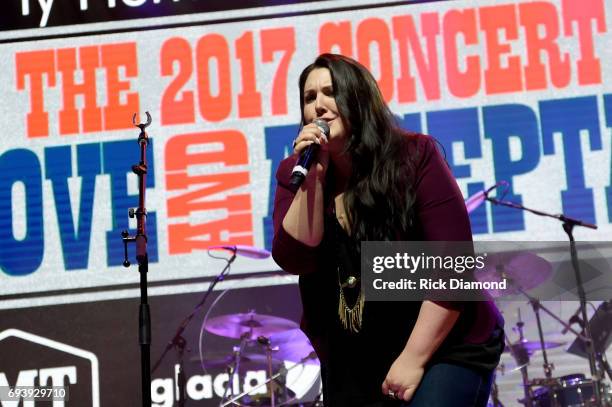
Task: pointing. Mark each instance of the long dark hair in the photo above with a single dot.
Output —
(379, 196)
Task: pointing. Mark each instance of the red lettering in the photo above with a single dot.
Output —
(375, 30)
(183, 237)
(406, 35)
(36, 64)
(183, 205)
(532, 17)
(583, 13)
(272, 41)
(336, 37)
(233, 149)
(497, 78)
(177, 106)
(91, 114)
(467, 83)
(118, 115)
(229, 148)
(249, 99)
(214, 108)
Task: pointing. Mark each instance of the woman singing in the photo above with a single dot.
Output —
(374, 181)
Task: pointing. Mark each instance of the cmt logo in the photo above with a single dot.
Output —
(32, 360)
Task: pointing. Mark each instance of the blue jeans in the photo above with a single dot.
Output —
(447, 385)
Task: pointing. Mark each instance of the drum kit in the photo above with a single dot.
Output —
(263, 343)
(525, 271)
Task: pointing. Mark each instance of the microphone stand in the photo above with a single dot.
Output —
(178, 341)
(568, 227)
(144, 317)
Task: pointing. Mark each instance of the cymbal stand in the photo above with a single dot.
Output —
(548, 367)
(553, 316)
(603, 363)
(495, 393)
(234, 367)
(265, 341)
(568, 227)
(521, 357)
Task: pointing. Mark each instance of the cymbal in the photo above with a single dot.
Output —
(294, 346)
(509, 367)
(251, 325)
(523, 271)
(532, 346)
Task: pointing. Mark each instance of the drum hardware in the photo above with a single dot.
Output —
(601, 329)
(567, 391)
(521, 356)
(234, 367)
(274, 377)
(265, 341)
(587, 392)
(248, 361)
(548, 391)
(568, 225)
(495, 401)
(281, 340)
(248, 327)
(525, 271)
(178, 342)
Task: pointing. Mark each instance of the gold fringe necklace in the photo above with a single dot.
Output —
(350, 316)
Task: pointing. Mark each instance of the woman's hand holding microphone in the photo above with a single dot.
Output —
(311, 146)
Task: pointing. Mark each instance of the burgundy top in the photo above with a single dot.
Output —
(440, 215)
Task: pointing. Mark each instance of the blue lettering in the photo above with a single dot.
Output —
(569, 117)
(279, 141)
(461, 126)
(501, 123)
(608, 113)
(75, 239)
(411, 122)
(21, 257)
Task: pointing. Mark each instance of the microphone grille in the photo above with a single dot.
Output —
(322, 124)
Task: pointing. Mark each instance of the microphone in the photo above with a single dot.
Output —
(298, 175)
(478, 198)
(246, 251)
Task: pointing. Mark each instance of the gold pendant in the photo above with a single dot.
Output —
(351, 318)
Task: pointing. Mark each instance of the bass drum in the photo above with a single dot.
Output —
(572, 391)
